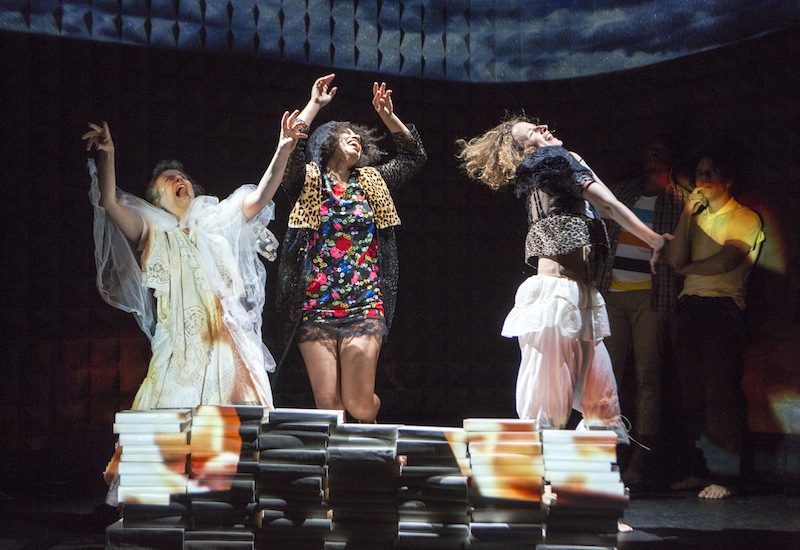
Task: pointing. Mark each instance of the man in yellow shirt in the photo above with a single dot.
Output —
(716, 244)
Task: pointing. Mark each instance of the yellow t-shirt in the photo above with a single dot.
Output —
(707, 234)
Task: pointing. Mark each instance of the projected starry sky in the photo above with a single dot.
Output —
(454, 40)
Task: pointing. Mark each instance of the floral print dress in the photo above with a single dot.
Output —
(344, 284)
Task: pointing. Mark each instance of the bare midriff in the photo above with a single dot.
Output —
(574, 265)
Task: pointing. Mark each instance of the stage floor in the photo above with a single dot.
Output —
(659, 521)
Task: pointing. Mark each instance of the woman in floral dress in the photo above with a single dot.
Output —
(337, 280)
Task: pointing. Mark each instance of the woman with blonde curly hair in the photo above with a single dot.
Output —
(558, 317)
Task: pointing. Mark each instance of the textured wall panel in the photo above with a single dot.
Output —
(319, 32)
(433, 21)
(343, 19)
(389, 37)
(430, 38)
(268, 27)
(366, 37)
(457, 48)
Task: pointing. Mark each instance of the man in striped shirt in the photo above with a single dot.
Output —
(639, 302)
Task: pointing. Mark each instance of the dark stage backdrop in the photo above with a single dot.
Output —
(69, 361)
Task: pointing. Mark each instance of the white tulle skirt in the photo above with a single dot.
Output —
(564, 364)
(576, 309)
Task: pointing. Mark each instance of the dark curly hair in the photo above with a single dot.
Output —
(151, 193)
(370, 152)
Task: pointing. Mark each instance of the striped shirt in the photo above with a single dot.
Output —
(631, 268)
(666, 214)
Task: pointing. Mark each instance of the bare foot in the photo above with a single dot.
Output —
(623, 527)
(691, 482)
(717, 491)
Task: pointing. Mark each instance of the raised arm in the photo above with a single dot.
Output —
(130, 223)
(382, 102)
(410, 152)
(261, 197)
(321, 95)
(609, 206)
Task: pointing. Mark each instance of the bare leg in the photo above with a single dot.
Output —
(359, 362)
(322, 365)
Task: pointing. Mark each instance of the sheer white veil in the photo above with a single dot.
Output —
(228, 245)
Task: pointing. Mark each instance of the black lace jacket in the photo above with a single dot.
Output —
(561, 220)
(293, 280)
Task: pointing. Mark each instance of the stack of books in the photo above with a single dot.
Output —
(153, 461)
(507, 481)
(293, 477)
(216, 539)
(153, 477)
(586, 497)
(433, 499)
(224, 466)
(363, 473)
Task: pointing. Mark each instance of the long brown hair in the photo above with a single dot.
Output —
(492, 157)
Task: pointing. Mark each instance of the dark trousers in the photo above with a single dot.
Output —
(710, 336)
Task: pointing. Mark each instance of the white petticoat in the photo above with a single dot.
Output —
(578, 310)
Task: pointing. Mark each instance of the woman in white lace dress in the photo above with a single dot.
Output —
(187, 267)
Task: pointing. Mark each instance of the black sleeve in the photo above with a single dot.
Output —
(554, 170)
(408, 160)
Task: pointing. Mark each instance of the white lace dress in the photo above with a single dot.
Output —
(197, 292)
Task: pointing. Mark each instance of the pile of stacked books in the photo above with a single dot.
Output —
(363, 473)
(154, 452)
(586, 497)
(224, 465)
(507, 482)
(293, 478)
(153, 475)
(242, 477)
(433, 499)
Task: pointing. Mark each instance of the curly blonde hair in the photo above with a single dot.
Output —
(492, 157)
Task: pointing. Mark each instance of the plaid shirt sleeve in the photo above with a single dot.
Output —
(666, 285)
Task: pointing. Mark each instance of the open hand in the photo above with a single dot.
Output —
(290, 129)
(658, 250)
(382, 100)
(321, 92)
(99, 138)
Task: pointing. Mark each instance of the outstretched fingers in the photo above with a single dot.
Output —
(382, 98)
(321, 92)
(290, 126)
(98, 137)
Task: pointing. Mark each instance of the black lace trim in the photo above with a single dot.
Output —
(337, 330)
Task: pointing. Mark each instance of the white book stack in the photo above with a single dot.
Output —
(585, 496)
(153, 461)
(507, 481)
(224, 465)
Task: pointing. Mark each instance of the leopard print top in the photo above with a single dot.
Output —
(561, 220)
(306, 210)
